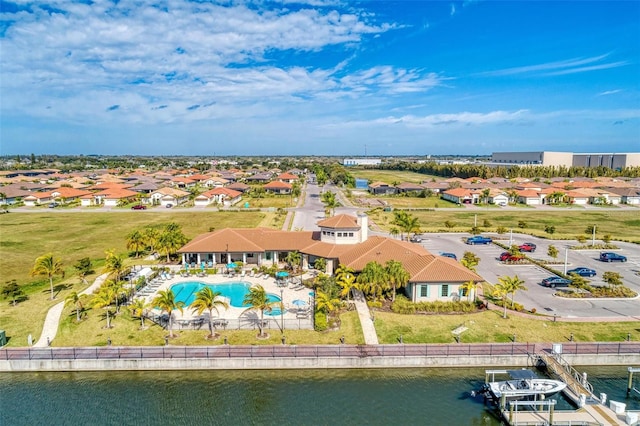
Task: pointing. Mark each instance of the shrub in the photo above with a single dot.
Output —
(501, 230)
(320, 321)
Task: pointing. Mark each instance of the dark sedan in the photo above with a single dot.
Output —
(554, 282)
(582, 271)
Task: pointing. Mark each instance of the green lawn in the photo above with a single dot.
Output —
(489, 326)
(126, 331)
(390, 176)
(620, 224)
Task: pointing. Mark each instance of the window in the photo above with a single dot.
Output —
(464, 291)
(424, 291)
(351, 234)
(339, 234)
(444, 292)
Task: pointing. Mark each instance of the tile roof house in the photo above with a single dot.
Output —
(224, 196)
(167, 195)
(431, 277)
(287, 177)
(461, 196)
(381, 188)
(112, 196)
(629, 196)
(63, 195)
(278, 187)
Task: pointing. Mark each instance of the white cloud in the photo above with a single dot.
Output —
(75, 63)
(568, 66)
(609, 92)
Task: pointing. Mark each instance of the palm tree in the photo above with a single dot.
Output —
(470, 260)
(258, 300)
(102, 300)
(326, 304)
(406, 222)
(469, 287)
(294, 258)
(500, 291)
(166, 301)
(330, 201)
(77, 300)
(48, 266)
(208, 300)
(151, 235)
(485, 195)
(171, 240)
(114, 264)
(512, 285)
(118, 290)
(348, 283)
(136, 241)
(83, 268)
(373, 279)
(138, 308)
(398, 276)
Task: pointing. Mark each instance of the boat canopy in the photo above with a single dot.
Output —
(522, 374)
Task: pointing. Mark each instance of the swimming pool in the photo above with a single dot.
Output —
(234, 291)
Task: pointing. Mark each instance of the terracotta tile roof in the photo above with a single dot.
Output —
(249, 240)
(172, 191)
(287, 176)
(527, 193)
(117, 193)
(277, 185)
(459, 192)
(221, 191)
(340, 221)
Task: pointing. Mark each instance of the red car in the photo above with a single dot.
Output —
(528, 247)
(139, 207)
(508, 257)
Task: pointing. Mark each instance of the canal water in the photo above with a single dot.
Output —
(434, 396)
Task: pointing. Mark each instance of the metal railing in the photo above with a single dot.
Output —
(304, 351)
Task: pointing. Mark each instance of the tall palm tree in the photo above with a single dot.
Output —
(398, 276)
(258, 300)
(208, 300)
(406, 222)
(330, 201)
(348, 283)
(102, 300)
(47, 266)
(502, 292)
(114, 264)
(138, 308)
(76, 300)
(166, 301)
(136, 241)
(171, 240)
(151, 235)
(512, 285)
(373, 279)
(118, 290)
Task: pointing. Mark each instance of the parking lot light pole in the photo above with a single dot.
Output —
(593, 238)
(566, 255)
(282, 309)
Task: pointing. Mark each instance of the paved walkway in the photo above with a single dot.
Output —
(52, 320)
(368, 329)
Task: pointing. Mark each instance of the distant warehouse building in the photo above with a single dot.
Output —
(568, 159)
(362, 161)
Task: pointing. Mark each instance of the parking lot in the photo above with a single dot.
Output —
(542, 298)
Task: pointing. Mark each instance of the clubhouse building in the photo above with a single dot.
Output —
(341, 239)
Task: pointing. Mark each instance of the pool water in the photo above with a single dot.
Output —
(234, 291)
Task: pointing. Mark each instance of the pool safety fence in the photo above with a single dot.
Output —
(274, 322)
(312, 351)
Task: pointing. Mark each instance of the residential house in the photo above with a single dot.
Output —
(223, 196)
(168, 195)
(381, 188)
(287, 177)
(461, 196)
(630, 196)
(278, 187)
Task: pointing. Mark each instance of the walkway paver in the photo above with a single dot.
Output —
(368, 329)
(52, 320)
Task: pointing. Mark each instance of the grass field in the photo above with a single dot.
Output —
(71, 236)
(622, 225)
(489, 326)
(390, 176)
(126, 332)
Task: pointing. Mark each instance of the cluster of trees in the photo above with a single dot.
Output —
(165, 240)
(486, 172)
(404, 223)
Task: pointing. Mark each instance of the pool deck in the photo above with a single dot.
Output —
(289, 293)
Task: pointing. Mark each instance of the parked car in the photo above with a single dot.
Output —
(169, 205)
(612, 257)
(450, 255)
(554, 282)
(528, 247)
(478, 239)
(508, 257)
(139, 207)
(53, 205)
(416, 239)
(582, 271)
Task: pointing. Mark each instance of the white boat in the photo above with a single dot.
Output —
(523, 384)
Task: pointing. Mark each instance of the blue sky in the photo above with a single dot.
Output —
(318, 77)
